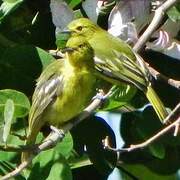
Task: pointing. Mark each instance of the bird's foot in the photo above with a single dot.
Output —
(100, 95)
(60, 132)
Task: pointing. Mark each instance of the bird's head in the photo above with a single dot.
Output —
(83, 26)
(79, 51)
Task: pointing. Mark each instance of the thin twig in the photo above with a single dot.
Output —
(12, 148)
(55, 137)
(160, 77)
(159, 13)
(17, 170)
(174, 113)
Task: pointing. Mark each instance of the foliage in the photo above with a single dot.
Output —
(26, 32)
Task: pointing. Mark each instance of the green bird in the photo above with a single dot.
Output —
(117, 61)
(63, 90)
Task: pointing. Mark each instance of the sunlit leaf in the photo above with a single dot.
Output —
(174, 14)
(73, 3)
(77, 162)
(45, 165)
(8, 118)
(60, 170)
(8, 6)
(21, 103)
(119, 97)
(66, 146)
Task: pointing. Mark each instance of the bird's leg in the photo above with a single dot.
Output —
(101, 95)
(54, 134)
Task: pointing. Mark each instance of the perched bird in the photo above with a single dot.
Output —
(63, 89)
(117, 61)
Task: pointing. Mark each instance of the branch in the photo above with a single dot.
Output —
(55, 137)
(160, 77)
(47, 143)
(174, 114)
(12, 148)
(159, 13)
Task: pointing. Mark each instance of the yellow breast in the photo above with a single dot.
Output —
(77, 92)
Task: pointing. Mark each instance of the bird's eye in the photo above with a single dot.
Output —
(79, 28)
(81, 46)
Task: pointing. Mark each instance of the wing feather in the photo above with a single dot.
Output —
(48, 87)
(122, 68)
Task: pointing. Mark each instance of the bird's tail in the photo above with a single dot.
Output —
(29, 141)
(156, 103)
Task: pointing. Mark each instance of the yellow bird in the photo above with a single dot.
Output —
(63, 89)
(117, 61)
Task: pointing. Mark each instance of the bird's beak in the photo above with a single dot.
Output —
(68, 49)
(66, 31)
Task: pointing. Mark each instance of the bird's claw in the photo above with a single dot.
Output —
(60, 132)
(102, 96)
(99, 96)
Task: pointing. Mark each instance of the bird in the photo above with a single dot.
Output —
(63, 90)
(116, 61)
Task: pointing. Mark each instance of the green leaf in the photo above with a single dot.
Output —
(120, 96)
(21, 65)
(73, 3)
(51, 164)
(20, 102)
(60, 171)
(8, 6)
(139, 171)
(168, 165)
(65, 147)
(111, 104)
(76, 162)
(13, 140)
(102, 159)
(4, 156)
(147, 125)
(8, 118)
(6, 167)
(78, 14)
(61, 39)
(158, 150)
(45, 165)
(174, 14)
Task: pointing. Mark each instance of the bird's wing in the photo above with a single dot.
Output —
(49, 85)
(121, 67)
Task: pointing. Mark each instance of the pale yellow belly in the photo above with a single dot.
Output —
(78, 96)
